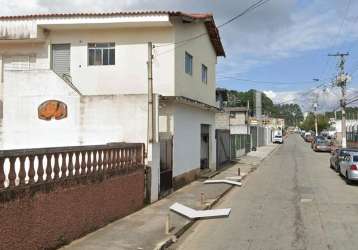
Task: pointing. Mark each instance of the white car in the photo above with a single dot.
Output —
(277, 139)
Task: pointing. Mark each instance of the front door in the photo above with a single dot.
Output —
(204, 146)
(166, 165)
(61, 55)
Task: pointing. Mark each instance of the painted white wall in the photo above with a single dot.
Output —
(203, 53)
(187, 140)
(24, 91)
(129, 74)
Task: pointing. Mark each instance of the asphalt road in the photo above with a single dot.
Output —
(292, 201)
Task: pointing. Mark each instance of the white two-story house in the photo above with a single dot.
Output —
(82, 79)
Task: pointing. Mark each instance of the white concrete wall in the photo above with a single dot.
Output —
(129, 74)
(91, 119)
(186, 141)
(222, 120)
(24, 91)
(203, 53)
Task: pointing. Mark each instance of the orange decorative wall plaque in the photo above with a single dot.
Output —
(52, 109)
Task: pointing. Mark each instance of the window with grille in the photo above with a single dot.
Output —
(101, 54)
(188, 63)
(204, 74)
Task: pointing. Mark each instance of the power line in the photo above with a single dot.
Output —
(182, 42)
(259, 81)
(302, 94)
(337, 37)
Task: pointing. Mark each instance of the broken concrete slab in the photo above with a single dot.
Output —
(196, 214)
(236, 183)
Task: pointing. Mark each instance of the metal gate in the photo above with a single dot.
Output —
(166, 165)
(61, 55)
(222, 147)
(240, 145)
(254, 134)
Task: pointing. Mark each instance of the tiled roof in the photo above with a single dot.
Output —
(208, 18)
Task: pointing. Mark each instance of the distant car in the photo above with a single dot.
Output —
(277, 139)
(308, 137)
(321, 144)
(348, 167)
(337, 156)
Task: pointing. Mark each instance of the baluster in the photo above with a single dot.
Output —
(126, 158)
(110, 159)
(56, 167)
(121, 157)
(70, 164)
(83, 162)
(63, 166)
(120, 160)
(116, 159)
(40, 169)
(105, 159)
(95, 170)
(22, 171)
(2, 173)
(31, 169)
(77, 164)
(100, 161)
(89, 162)
(143, 154)
(48, 167)
(12, 173)
(131, 155)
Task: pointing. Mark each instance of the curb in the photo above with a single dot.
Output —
(172, 239)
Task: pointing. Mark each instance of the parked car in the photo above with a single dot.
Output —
(321, 144)
(348, 166)
(277, 139)
(308, 137)
(337, 155)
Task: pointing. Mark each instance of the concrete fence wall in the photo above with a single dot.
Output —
(71, 201)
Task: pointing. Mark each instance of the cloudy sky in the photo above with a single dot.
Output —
(279, 47)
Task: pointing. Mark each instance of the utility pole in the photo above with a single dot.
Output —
(315, 105)
(150, 94)
(341, 81)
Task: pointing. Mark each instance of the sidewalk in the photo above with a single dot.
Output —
(146, 228)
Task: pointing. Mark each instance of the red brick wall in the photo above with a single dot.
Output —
(50, 215)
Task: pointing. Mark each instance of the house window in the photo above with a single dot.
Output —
(204, 74)
(188, 63)
(101, 54)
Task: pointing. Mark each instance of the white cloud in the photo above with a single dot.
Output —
(328, 99)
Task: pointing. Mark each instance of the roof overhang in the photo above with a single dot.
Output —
(27, 26)
(190, 102)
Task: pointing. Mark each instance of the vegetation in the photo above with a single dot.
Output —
(290, 112)
(309, 123)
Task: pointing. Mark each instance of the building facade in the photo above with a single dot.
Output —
(82, 79)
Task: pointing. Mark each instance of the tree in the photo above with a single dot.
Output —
(309, 123)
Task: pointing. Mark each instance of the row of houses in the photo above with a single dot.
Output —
(82, 79)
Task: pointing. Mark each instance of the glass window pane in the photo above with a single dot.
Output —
(188, 63)
(90, 57)
(204, 73)
(105, 57)
(112, 57)
(98, 57)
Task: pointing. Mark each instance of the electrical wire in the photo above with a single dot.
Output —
(182, 42)
(337, 37)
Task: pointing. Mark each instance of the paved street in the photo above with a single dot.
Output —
(292, 201)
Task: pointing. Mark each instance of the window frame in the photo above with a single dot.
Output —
(188, 68)
(101, 49)
(204, 73)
